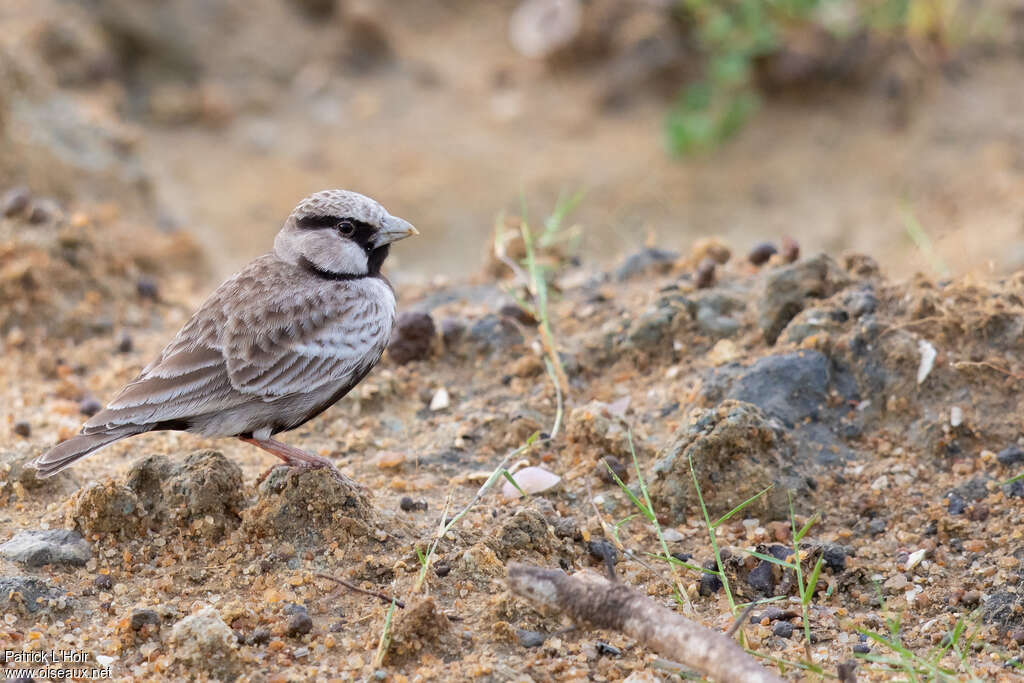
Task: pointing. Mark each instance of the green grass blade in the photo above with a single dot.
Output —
(742, 505)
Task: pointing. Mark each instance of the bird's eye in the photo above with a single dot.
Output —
(347, 228)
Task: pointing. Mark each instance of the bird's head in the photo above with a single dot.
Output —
(339, 234)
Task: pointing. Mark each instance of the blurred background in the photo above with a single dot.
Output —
(887, 126)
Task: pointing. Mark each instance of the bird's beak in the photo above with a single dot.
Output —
(392, 230)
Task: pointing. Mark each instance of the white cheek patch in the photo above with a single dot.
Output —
(329, 251)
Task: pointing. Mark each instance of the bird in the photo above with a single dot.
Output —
(274, 346)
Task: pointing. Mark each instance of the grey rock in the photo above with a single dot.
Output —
(1004, 609)
(782, 629)
(788, 289)
(716, 326)
(142, 617)
(761, 578)
(736, 450)
(792, 386)
(493, 333)
(652, 330)
(1010, 456)
(52, 546)
(29, 596)
(648, 260)
(530, 638)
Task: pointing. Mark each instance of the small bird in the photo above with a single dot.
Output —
(274, 346)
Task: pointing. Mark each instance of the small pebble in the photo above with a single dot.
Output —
(760, 254)
(682, 557)
(125, 345)
(834, 557)
(876, 526)
(260, 636)
(790, 249)
(978, 512)
(22, 428)
(529, 638)
(709, 583)
(604, 648)
(518, 314)
(761, 578)
(41, 211)
(142, 617)
(89, 406)
(146, 288)
(530, 480)
(971, 598)
(440, 400)
(299, 624)
(782, 629)
(413, 337)
(103, 582)
(1010, 456)
(15, 201)
(705, 276)
(407, 504)
(620, 470)
(442, 570)
(861, 649)
(603, 551)
(957, 505)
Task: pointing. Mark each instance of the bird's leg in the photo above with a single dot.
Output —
(296, 457)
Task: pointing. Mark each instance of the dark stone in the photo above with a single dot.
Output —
(125, 345)
(705, 275)
(413, 337)
(1004, 609)
(493, 333)
(834, 557)
(442, 570)
(142, 617)
(792, 386)
(682, 557)
(790, 249)
(709, 583)
(42, 211)
(146, 288)
(15, 201)
(89, 406)
(957, 505)
(782, 629)
(973, 490)
(761, 578)
(409, 505)
(788, 289)
(760, 254)
(978, 512)
(1010, 456)
(452, 331)
(616, 466)
(299, 624)
(530, 638)
(22, 428)
(648, 260)
(861, 649)
(603, 551)
(860, 301)
(27, 594)
(518, 313)
(604, 648)
(1014, 489)
(877, 526)
(259, 636)
(103, 582)
(779, 552)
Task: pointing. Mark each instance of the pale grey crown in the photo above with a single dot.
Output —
(341, 203)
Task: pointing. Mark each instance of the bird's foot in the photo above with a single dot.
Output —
(296, 457)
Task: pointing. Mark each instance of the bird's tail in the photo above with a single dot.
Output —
(68, 452)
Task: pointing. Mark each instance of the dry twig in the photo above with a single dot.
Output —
(351, 586)
(589, 598)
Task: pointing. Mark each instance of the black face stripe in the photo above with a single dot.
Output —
(318, 222)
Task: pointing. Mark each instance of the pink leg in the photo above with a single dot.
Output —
(296, 457)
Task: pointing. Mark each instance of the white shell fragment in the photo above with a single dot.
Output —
(537, 28)
(956, 416)
(928, 354)
(915, 558)
(531, 480)
(441, 400)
